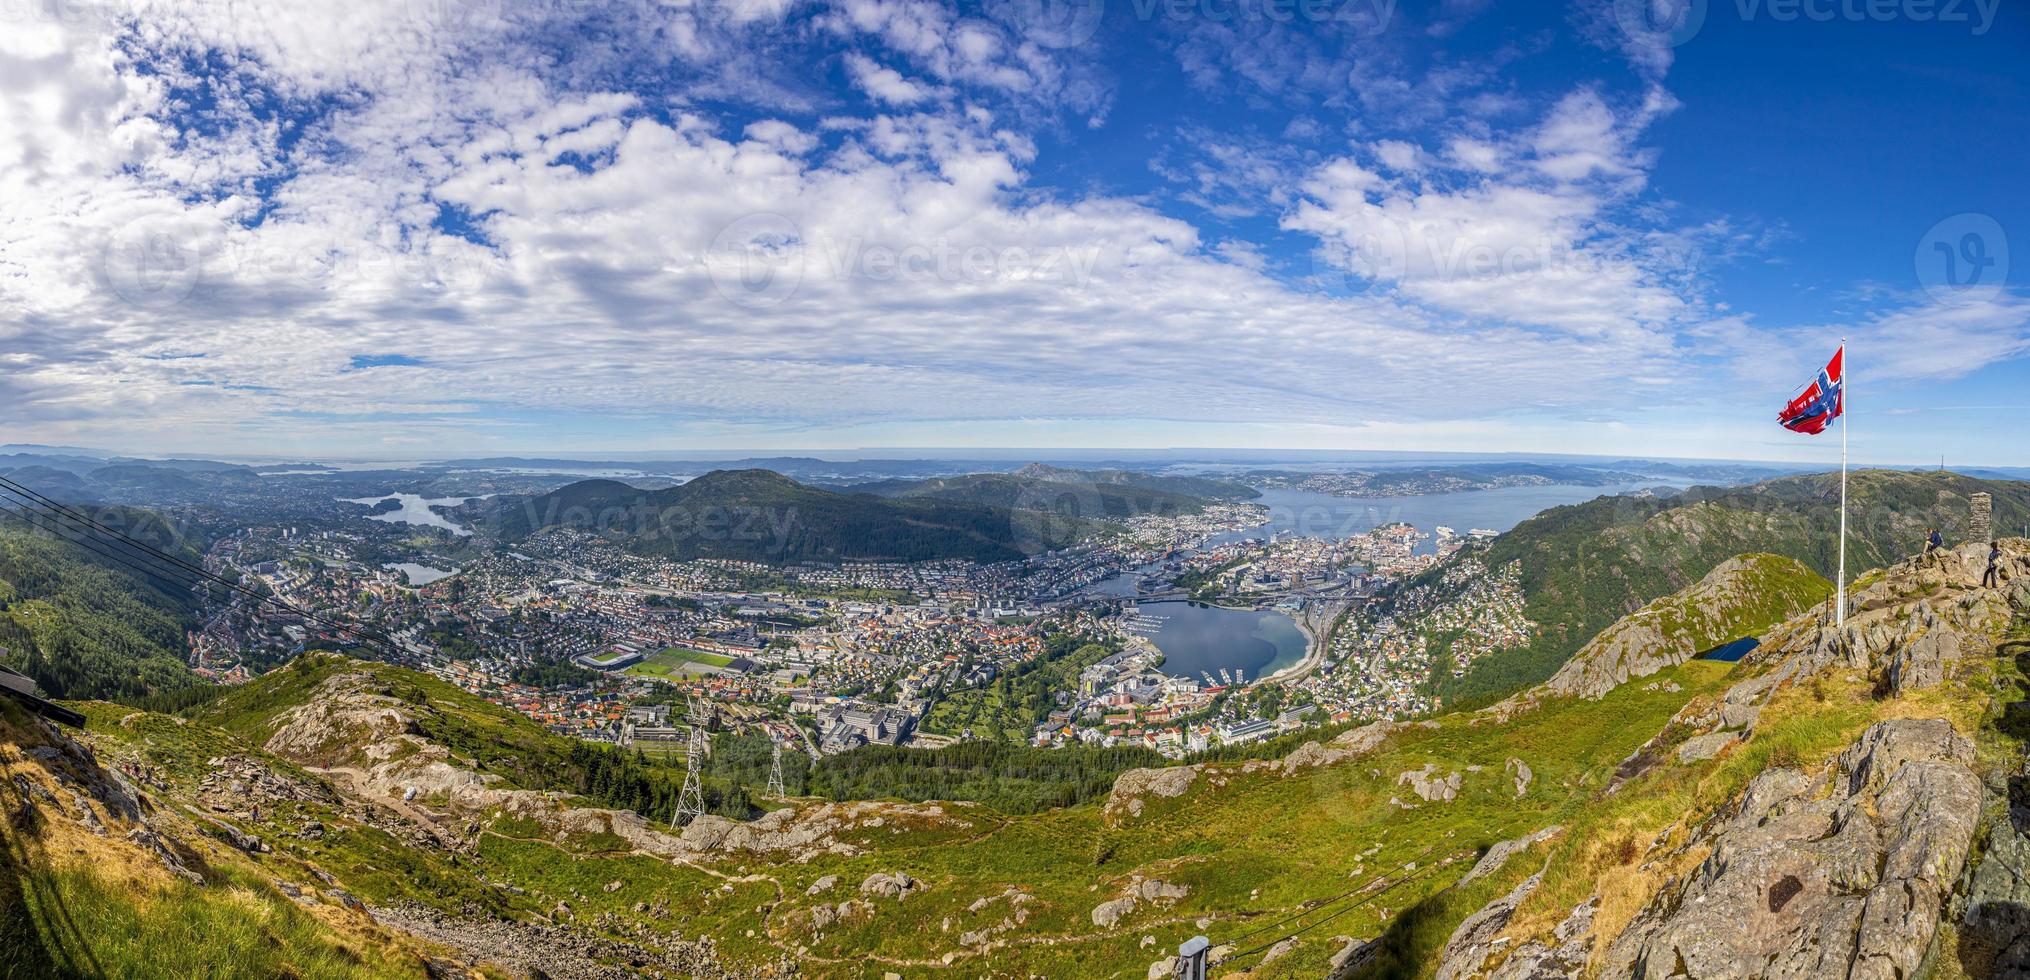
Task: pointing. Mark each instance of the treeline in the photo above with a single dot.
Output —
(553, 675)
(1009, 778)
(734, 778)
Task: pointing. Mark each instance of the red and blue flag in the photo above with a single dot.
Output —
(1822, 401)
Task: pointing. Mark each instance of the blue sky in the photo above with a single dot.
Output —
(474, 226)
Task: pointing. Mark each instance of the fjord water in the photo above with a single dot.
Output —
(1311, 514)
(1196, 637)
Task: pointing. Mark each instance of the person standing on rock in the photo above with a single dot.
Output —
(1992, 578)
(1933, 542)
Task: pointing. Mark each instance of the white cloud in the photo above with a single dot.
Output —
(884, 84)
(1519, 229)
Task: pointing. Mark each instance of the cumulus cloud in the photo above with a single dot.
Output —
(432, 223)
(1517, 227)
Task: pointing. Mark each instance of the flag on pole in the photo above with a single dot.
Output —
(1810, 412)
(1820, 403)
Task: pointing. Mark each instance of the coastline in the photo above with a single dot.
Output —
(1316, 623)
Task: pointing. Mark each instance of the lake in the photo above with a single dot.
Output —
(415, 509)
(1199, 638)
(418, 574)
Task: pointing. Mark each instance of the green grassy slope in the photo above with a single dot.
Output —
(76, 901)
(1252, 843)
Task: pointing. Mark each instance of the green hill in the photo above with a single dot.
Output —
(86, 627)
(1586, 565)
(758, 515)
(1009, 491)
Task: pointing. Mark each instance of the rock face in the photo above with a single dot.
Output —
(1995, 931)
(1842, 873)
(1498, 855)
(1138, 891)
(1563, 956)
(1473, 941)
(1699, 748)
(1676, 628)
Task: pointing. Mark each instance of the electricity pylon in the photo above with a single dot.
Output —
(691, 799)
(775, 770)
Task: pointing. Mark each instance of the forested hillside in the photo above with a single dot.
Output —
(85, 627)
(1586, 565)
(758, 515)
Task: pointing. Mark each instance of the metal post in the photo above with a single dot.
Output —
(1191, 958)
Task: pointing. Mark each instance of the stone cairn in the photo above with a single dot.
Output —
(1979, 529)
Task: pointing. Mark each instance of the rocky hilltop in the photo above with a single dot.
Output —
(1735, 600)
(1895, 852)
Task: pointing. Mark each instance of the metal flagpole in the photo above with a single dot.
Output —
(1840, 614)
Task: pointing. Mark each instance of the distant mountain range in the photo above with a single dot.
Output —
(759, 515)
(1104, 494)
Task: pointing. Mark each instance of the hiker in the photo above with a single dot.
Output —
(1933, 542)
(1992, 578)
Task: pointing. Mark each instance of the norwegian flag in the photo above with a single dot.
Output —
(1822, 401)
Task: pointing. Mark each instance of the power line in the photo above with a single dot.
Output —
(1420, 872)
(1370, 886)
(36, 499)
(19, 490)
(35, 519)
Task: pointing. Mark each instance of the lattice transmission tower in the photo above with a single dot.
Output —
(775, 770)
(691, 799)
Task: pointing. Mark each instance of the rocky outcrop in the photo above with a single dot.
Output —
(806, 832)
(1107, 913)
(1699, 748)
(1131, 786)
(1139, 890)
(1840, 873)
(1474, 941)
(1428, 784)
(1520, 771)
(895, 885)
(1498, 855)
(1562, 957)
(563, 952)
(1737, 594)
(1995, 929)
